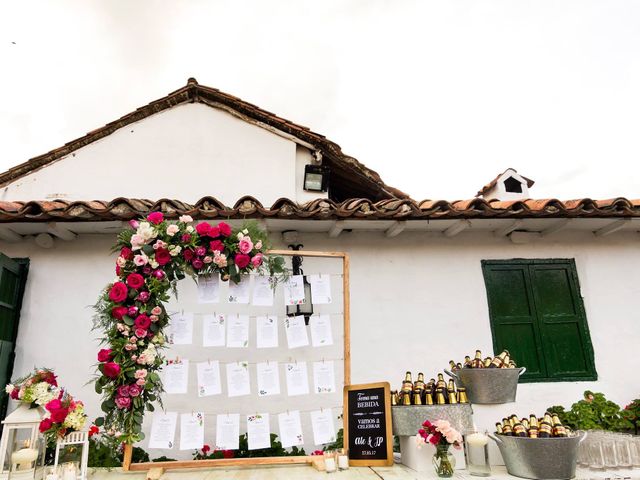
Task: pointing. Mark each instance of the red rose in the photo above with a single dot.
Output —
(241, 260)
(50, 378)
(53, 405)
(118, 312)
(186, 238)
(118, 292)
(118, 270)
(216, 245)
(58, 416)
(105, 355)
(14, 393)
(126, 252)
(93, 430)
(206, 449)
(435, 438)
(45, 425)
(215, 232)
(163, 256)
(111, 370)
(227, 453)
(197, 264)
(142, 321)
(135, 280)
(155, 217)
(188, 255)
(203, 229)
(225, 229)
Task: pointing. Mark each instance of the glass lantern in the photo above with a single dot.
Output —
(72, 455)
(22, 446)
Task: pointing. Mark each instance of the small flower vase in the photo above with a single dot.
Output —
(444, 462)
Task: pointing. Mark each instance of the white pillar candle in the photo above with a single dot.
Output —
(52, 476)
(69, 472)
(23, 458)
(477, 439)
(343, 462)
(330, 464)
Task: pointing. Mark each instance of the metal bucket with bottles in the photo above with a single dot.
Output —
(488, 385)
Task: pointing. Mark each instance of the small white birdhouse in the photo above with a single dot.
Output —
(509, 185)
(22, 446)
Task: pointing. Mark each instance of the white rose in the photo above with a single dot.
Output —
(172, 230)
(190, 229)
(240, 235)
(185, 219)
(9, 388)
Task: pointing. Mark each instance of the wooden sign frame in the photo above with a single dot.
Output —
(388, 428)
(127, 465)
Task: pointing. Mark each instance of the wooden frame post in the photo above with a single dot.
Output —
(127, 464)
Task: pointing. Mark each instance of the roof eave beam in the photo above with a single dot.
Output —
(9, 235)
(60, 231)
(336, 229)
(612, 227)
(556, 227)
(456, 228)
(396, 229)
(504, 231)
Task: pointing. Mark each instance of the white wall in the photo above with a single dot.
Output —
(186, 153)
(416, 303)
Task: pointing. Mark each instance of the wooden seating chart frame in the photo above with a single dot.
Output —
(127, 464)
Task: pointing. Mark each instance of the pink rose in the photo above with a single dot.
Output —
(118, 292)
(225, 229)
(133, 311)
(144, 297)
(241, 260)
(142, 321)
(140, 332)
(155, 217)
(197, 263)
(154, 318)
(135, 280)
(172, 230)
(216, 246)
(123, 403)
(141, 382)
(203, 229)
(208, 259)
(129, 347)
(134, 224)
(159, 274)
(105, 355)
(135, 390)
(140, 260)
(256, 261)
(200, 251)
(258, 245)
(123, 390)
(245, 245)
(111, 370)
(140, 373)
(156, 310)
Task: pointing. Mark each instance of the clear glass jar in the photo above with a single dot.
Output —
(476, 454)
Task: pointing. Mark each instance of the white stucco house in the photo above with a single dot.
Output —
(554, 281)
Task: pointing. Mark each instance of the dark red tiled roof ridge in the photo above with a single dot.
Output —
(347, 168)
(319, 209)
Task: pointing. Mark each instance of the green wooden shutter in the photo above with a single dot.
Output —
(537, 314)
(563, 327)
(13, 275)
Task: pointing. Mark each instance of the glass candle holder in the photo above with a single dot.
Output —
(330, 464)
(342, 456)
(476, 453)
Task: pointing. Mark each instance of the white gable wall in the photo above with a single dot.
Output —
(187, 152)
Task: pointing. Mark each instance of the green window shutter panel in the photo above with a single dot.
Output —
(537, 314)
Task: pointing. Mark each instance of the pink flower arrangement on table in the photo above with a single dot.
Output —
(152, 256)
(437, 433)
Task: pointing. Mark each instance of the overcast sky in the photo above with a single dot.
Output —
(438, 97)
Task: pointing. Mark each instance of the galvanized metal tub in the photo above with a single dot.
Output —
(408, 419)
(488, 385)
(540, 458)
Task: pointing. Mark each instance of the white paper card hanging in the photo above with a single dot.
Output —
(163, 430)
(297, 378)
(237, 331)
(238, 380)
(258, 431)
(267, 331)
(181, 329)
(239, 292)
(209, 288)
(208, 378)
(290, 429)
(293, 289)
(176, 376)
(321, 334)
(228, 431)
(268, 378)
(324, 379)
(262, 291)
(213, 330)
(191, 431)
(320, 288)
(322, 425)
(296, 331)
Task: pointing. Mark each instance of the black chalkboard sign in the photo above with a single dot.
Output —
(367, 424)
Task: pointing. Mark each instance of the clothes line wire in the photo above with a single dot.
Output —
(289, 360)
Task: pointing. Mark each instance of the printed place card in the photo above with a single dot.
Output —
(258, 431)
(320, 288)
(262, 291)
(290, 429)
(296, 331)
(268, 378)
(163, 430)
(191, 431)
(324, 380)
(176, 376)
(321, 334)
(237, 331)
(322, 425)
(208, 378)
(228, 431)
(213, 330)
(209, 288)
(294, 290)
(297, 378)
(267, 331)
(239, 292)
(238, 380)
(181, 329)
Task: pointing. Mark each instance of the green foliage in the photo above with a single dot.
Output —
(102, 454)
(276, 449)
(163, 459)
(339, 443)
(594, 412)
(631, 413)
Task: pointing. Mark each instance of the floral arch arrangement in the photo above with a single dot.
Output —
(153, 255)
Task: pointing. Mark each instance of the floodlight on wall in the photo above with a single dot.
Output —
(316, 178)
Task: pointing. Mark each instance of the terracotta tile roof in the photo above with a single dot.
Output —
(321, 209)
(349, 177)
(493, 182)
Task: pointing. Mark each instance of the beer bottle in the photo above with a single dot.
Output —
(407, 384)
(467, 361)
(394, 397)
(459, 365)
(558, 429)
(451, 393)
(506, 427)
(441, 383)
(419, 385)
(428, 398)
(406, 398)
(486, 362)
(518, 428)
(498, 360)
(525, 424)
(505, 362)
(512, 364)
(499, 428)
(477, 361)
(453, 366)
(417, 397)
(462, 395)
(533, 426)
(440, 398)
(545, 430)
